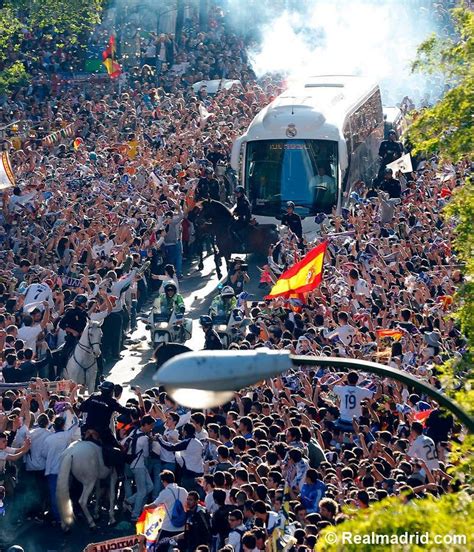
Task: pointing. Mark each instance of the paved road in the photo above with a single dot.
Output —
(135, 368)
(198, 289)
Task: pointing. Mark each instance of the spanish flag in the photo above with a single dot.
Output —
(396, 334)
(302, 277)
(149, 524)
(108, 59)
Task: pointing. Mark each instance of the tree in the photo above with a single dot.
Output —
(66, 22)
(451, 515)
(446, 128)
(74, 17)
(12, 71)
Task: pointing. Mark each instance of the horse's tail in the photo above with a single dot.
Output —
(62, 489)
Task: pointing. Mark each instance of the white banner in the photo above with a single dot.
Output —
(7, 179)
(402, 164)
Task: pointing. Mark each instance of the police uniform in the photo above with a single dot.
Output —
(212, 341)
(99, 409)
(76, 319)
(207, 189)
(293, 221)
(389, 151)
(242, 210)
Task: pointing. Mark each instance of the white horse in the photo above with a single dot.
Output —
(82, 364)
(83, 459)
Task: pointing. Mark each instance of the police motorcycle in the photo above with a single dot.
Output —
(168, 326)
(231, 329)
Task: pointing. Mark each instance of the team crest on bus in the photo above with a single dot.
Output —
(291, 131)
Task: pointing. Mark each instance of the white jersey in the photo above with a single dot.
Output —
(102, 249)
(350, 398)
(36, 293)
(345, 333)
(361, 287)
(423, 447)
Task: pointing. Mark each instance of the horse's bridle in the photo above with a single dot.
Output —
(88, 348)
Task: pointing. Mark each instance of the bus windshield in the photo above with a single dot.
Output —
(302, 171)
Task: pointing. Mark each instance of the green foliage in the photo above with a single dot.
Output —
(73, 17)
(446, 128)
(461, 210)
(10, 28)
(13, 76)
(447, 516)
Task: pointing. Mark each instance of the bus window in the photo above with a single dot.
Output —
(302, 171)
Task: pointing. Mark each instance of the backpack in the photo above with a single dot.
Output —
(178, 515)
(131, 446)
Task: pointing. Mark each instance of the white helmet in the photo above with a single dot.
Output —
(227, 291)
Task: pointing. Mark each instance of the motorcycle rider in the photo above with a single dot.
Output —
(73, 323)
(170, 300)
(212, 340)
(223, 304)
(242, 215)
(99, 408)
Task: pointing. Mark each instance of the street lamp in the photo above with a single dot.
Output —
(206, 379)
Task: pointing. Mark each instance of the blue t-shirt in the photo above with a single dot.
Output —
(311, 495)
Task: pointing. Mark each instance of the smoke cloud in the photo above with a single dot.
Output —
(353, 37)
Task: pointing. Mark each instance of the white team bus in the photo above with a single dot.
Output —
(309, 146)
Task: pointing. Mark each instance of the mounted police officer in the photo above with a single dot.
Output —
(73, 323)
(212, 340)
(207, 187)
(242, 214)
(99, 408)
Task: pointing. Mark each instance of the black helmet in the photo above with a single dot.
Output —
(388, 170)
(170, 285)
(107, 387)
(290, 204)
(206, 321)
(240, 190)
(81, 299)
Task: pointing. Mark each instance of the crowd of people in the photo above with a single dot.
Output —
(95, 225)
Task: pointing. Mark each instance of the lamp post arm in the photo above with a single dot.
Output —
(388, 372)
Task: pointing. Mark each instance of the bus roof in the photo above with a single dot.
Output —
(319, 104)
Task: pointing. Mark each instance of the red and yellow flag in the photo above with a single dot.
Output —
(396, 334)
(149, 524)
(109, 59)
(302, 277)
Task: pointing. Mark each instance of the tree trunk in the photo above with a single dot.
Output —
(179, 20)
(203, 15)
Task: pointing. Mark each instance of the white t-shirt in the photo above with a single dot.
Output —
(350, 398)
(29, 334)
(423, 447)
(361, 287)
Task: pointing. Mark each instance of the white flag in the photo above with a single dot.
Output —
(204, 114)
(402, 164)
(7, 179)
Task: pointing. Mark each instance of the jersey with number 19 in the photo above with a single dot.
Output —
(350, 398)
